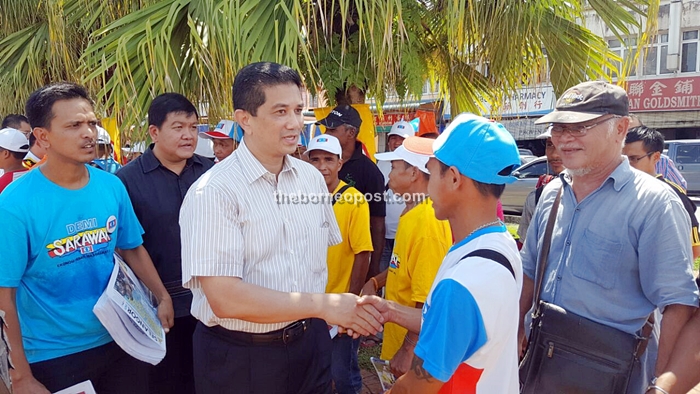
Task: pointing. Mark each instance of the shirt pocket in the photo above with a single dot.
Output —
(316, 247)
(597, 260)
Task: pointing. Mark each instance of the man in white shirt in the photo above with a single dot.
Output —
(255, 231)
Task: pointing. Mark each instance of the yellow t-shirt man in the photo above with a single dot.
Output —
(422, 241)
(352, 214)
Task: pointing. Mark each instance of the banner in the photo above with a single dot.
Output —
(110, 124)
(665, 94)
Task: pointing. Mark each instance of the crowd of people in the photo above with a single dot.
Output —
(259, 293)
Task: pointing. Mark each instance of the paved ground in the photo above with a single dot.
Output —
(371, 384)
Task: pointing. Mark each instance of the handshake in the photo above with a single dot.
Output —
(355, 315)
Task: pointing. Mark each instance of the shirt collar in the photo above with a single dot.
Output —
(251, 167)
(488, 230)
(149, 161)
(620, 176)
(358, 153)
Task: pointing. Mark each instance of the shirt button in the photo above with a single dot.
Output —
(568, 243)
(291, 251)
(559, 277)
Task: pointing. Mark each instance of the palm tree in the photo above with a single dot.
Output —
(128, 51)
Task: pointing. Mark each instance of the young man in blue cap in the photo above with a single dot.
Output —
(469, 323)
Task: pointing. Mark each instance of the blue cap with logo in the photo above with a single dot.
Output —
(479, 148)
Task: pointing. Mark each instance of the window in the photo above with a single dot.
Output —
(534, 169)
(689, 51)
(656, 56)
(688, 154)
(627, 54)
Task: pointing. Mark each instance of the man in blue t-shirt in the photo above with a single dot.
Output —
(60, 227)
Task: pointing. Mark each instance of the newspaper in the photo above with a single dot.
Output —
(5, 365)
(80, 388)
(386, 378)
(128, 310)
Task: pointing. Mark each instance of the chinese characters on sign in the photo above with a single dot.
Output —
(670, 94)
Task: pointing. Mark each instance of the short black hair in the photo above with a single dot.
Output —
(19, 156)
(39, 107)
(485, 189)
(14, 121)
(652, 139)
(408, 165)
(249, 84)
(168, 103)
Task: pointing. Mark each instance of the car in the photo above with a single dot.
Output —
(514, 196)
(686, 156)
(526, 155)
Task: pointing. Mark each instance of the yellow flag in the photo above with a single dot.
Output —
(110, 124)
(367, 132)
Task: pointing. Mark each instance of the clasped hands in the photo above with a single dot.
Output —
(358, 316)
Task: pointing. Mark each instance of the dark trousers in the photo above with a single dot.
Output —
(174, 375)
(223, 364)
(347, 377)
(108, 367)
(386, 254)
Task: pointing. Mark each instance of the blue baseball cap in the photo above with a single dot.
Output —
(480, 149)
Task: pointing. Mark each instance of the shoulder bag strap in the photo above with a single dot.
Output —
(546, 244)
(492, 255)
(342, 190)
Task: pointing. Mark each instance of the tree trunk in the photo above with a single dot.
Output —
(353, 95)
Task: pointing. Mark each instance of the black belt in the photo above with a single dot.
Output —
(284, 335)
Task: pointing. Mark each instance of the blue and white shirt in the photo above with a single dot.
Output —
(469, 331)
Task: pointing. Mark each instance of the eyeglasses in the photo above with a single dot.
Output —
(558, 130)
(636, 159)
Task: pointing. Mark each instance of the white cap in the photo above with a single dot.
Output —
(225, 129)
(414, 159)
(205, 147)
(325, 142)
(103, 136)
(547, 133)
(402, 128)
(136, 147)
(13, 140)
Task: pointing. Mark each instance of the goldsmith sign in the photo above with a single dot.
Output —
(667, 94)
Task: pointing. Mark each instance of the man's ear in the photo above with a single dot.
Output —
(243, 117)
(623, 125)
(340, 164)
(455, 179)
(153, 131)
(42, 137)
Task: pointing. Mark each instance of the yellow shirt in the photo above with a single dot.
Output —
(422, 241)
(352, 214)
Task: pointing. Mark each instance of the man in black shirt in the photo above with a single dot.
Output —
(157, 182)
(360, 172)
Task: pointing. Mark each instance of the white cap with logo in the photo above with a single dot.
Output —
(325, 142)
(13, 140)
(402, 129)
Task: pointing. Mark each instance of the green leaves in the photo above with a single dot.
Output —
(129, 51)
